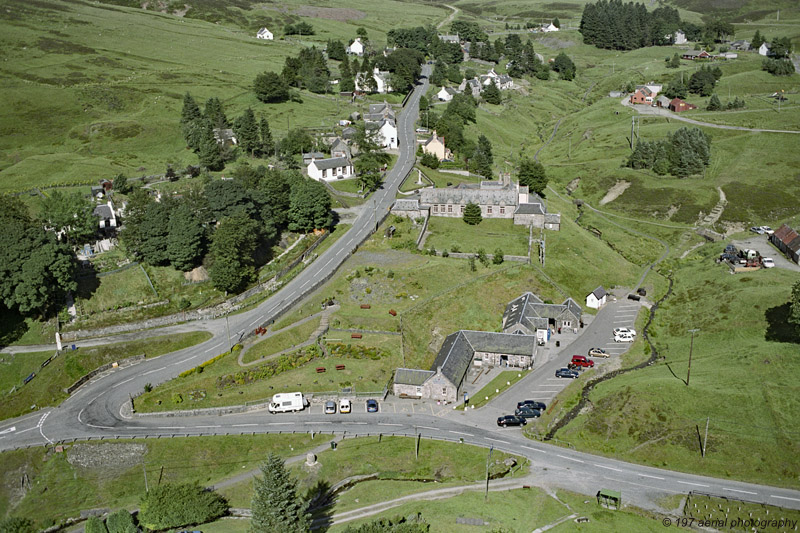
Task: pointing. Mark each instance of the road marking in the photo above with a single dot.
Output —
(695, 484)
(242, 425)
(741, 491)
(171, 427)
(607, 467)
(460, 433)
(156, 370)
(426, 427)
(207, 426)
(254, 322)
(24, 430)
(133, 427)
(652, 477)
(359, 423)
(784, 498)
(326, 423)
(498, 440)
(127, 380)
(388, 424)
(306, 283)
(532, 449)
(570, 458)
(280, 423)
(187, 359)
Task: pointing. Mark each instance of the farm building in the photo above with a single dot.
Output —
(529, 315)
(788, 241)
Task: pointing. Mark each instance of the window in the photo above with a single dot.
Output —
(462, 209)
(444, 391)
(502, 210)
(488, 210)
(449, 208)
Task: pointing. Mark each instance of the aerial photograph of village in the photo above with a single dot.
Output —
(412, 266)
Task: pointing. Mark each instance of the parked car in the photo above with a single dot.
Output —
(757, 229)
(768, 262)
(528, 413)
(581, 360)
(597, 352)
(531, 404)
(625, 330)
(767, 230)
(372, 406)
(344, 406)
(330, 407)
(623, 337)
(511, 420)
(566, 373)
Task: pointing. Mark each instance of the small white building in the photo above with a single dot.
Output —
(381, 78)
(549, 27)
(356, 47)
(679, 37)
(597, 298)
(446, 94)
(763, 50)
(387, 133)
(264, 33)
(332, 169)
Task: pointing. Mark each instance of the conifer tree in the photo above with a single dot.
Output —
(276, 504)
(472, 214)
(246, 130)
(208, 150)
(267, 144)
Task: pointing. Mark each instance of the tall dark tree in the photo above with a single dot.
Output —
(155, 231)
(232, 249)
(531, 173)
(757, 41)
(185, 239)
(131, 232)
(276, 504)
(472, 214)
(121, 185)
(267, 146)
(189, 116)
(564, 66)
(271, 88)
(713, 103)
(794, 305)
(492, 94)
(368, 168)
(247, 133)
(70, 215)
(309, 206)
(483, 159)
(275, 192)
(215, 113)
(226, 198)
(335, 50)
(209, 151)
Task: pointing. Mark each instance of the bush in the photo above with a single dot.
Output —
(499, 257)
(176, 505)
(16, 524)
(429, 160)
(95, 525)
(482, 257)
(455, 249)
(148, 387)
(445, 253)
(121, 522)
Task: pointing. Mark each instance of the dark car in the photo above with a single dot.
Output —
(566, 373)
(372, 406)
(531, 404)
(528, 413)
(511, 420)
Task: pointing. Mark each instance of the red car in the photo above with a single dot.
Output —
(581, 360)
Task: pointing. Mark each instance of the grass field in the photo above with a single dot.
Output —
(496, 387)
(47, 387)
(120, 289)
(281, 341)
(492, 233)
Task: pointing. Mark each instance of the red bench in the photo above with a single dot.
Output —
(321, 369)
(392, 312)
(339, 367)
(355, 335)
(365, 306)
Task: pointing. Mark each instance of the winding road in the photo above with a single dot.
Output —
(100, 409)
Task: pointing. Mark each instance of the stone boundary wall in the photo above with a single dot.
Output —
(123, 363)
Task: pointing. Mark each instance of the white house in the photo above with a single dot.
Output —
(356, 47)
(763, 50)
(335, 168)
(445, 94)
(264, 33)
(549, 27)
(679, 37)
(597, 298)
(381, 81)
(387, 133)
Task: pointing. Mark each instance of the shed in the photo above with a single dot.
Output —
(612, 499)
(597, 298)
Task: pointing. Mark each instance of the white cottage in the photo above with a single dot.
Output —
(335, 168)
(763, 50)
(597, 298)
(264, 33)
(356, 47)
(446, 94)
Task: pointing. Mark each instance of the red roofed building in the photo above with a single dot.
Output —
(788, 241)
(677, 105)
(642, 95)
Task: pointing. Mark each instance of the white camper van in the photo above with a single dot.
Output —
(287, 401)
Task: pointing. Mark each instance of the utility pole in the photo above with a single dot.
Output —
(705, 439)
(488, 457)
(691, 346)
(228, 329)
(146, 489)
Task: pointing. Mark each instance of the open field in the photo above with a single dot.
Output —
(47, 387)
(454, 234)
(281, 341)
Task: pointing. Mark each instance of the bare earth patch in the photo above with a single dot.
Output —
(117, 456)
(331, 13)
(615, 191)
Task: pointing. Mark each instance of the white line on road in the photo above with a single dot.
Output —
(156, 370)
(784, 498)
(280, 423)
(607, 467)
(127, 380)
(171, 427)
(98, 427)
(426, 427)
(133, 427)
(207, 426)
(570, 458)
(242, 425)
(741, 491)
(498, 440)
(652, 477)
(533, 449)
(460, 433)
(388, 424)
(326, 423)
(9, 430)
(695, 484)
(254, 322)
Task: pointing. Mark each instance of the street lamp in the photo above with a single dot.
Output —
(691, 346)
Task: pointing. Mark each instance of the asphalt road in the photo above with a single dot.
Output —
(97, 410)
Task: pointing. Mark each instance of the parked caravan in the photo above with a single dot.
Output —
(287, 401)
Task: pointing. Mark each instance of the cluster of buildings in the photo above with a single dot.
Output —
(787, 241)
(528, 323)
(648, 95)
(476, 85)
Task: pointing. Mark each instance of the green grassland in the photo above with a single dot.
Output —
(651, 416)
(47, 388)
(281, 341)
(61, 486)
(492, 233)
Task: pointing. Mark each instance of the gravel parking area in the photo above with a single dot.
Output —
(760, 244)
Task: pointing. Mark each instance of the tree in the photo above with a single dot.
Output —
(492, 94)
(778, 67)
(675, 62)
(531, 173)
(689, 151)
(232, 248)
(780, 47)
(175, 505)
(185, 239)
(429, 160)
(267, 144)
(498, 257)
(719, 29)
(16, 524)
(216, 114)
(271, 88)
(297, 141)
(309, 206)
(482, 257)
(676, 88)
(714, 104)
(276, 504)
(336, 50)
(702, 82)
(120, 184)
(247, 132)
(482, 158)
(564, 66)
(154, 229)
(275, 191)
(472, 214)
(121, 522)
(95, 524)
(757, 41)
(70, 215)
(226, 198)
(361, 31)
(368, 167)
(556, 22)
(208, 149)
(794, 305)
(189, 116)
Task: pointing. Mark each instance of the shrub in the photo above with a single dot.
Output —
(175, 505)
(177, 398)
(148, 387)
(455, 249)
(445, 253)
(95, 525)
(121, 522)
(498, 257)
(16, 524)
(482, 257)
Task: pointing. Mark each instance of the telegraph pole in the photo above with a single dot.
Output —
(705, 439)
(488, 457)
(228, 329)
(691, 346)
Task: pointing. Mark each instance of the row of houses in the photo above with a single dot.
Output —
(527, 324)
(476, 85)
(787, 241)
(648, 95)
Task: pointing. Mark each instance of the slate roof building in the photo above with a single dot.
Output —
(529, 315)
(597, 298)
(265, 34)
(332, 169)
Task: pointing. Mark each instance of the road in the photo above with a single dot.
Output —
(98, 409)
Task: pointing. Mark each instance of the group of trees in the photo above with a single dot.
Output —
(118, 522)
(308, 70)
(778, 62)
(616, 25)
(683, 153)
(300, 28)
(224, 223)
(701, 82)
(531, 173)
(714, 103)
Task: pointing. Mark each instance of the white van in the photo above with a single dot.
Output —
(287, 401)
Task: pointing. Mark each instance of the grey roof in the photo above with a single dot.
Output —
(412, 376)
(663, 100)
(449, 90)
(313, 155)
(503, 343)
(348, 132)
(449, 38)
(103, 211)
(406, 204)
(599, 292)
(487, 193)
(505, 78)
(552, 218)
(530, 209)
(383, 108)
(333, 162)
(224, 134)
(529, 311)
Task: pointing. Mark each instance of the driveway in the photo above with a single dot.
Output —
(760, 244)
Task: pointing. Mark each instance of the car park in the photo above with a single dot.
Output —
(597, 352)
(330, 407)
(768, 262)
(566, 373)
(531, 404)
(344, 406)
(625, 330)
(528, 413)
(580, 360)
(372, 406)
(623, 337)
(511, 420)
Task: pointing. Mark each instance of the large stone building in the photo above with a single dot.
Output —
(529, 315)
(445, 380)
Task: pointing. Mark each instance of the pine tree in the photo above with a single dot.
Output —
(185, 239)
(276, 504)
(208, 150)
(492, 94)
(472, 214)
(246, 130)
(189, 116)
(794, 305)
(714, 104)
(531, 173)
(267, 144)
(482, 159)
(757, 41)
(216, 114)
